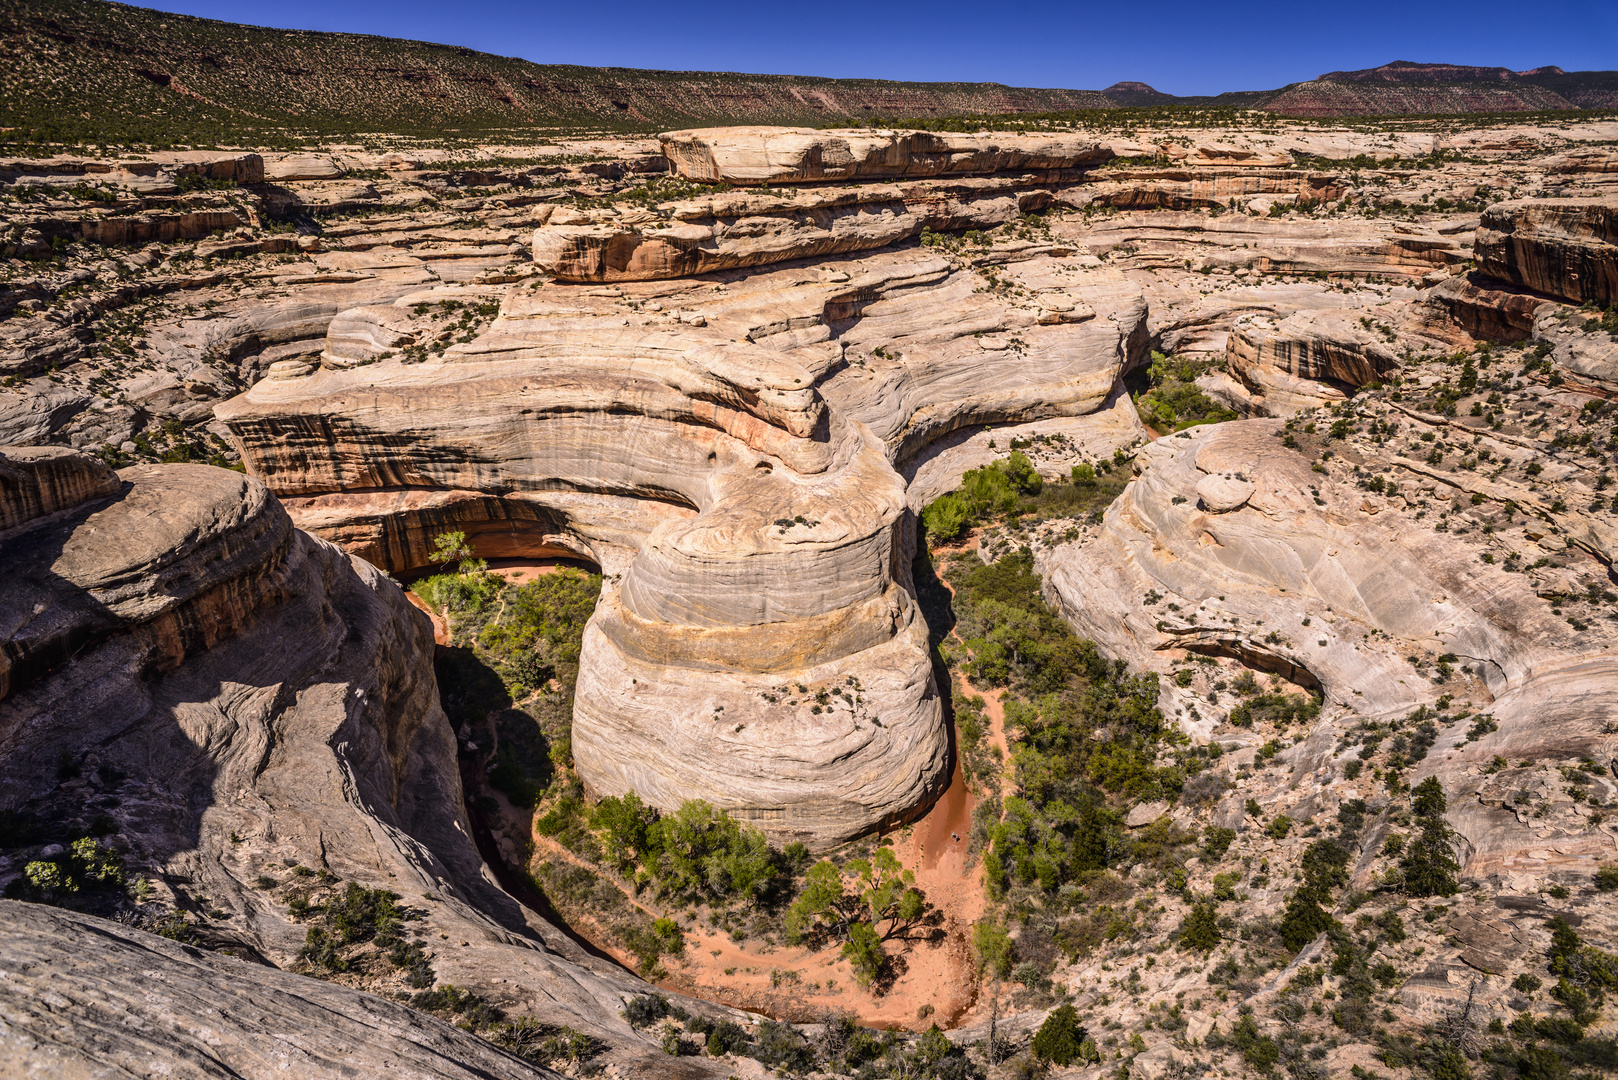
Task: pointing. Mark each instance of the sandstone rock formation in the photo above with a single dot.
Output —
(730, 231)
(1567, 248)
(1315, 357)
(1207, 187)
(1266, 245)
(1228, 544)
(765, 155)
(226, 696)
(735, 403)
(757, 539)
(38, 481)
(73, 1010)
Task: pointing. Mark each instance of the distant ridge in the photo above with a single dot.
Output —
(70, 63)
(1403, 87)
(89, 70)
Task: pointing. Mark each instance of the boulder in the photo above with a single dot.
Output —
(1221, 494)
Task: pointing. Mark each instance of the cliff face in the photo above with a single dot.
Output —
(764, 155)
(1566, 248)
(221, 697)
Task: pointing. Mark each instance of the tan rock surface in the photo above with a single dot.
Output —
(1326, 585)
(759, 530)
(75, 1008)
(37, 481)
(1269, 245)
(737, 230)
(414, 371)
(765, 155)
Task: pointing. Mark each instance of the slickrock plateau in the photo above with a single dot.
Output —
(71, 1012)
(1126, 595)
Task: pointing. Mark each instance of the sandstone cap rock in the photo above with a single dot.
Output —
(1222, 494)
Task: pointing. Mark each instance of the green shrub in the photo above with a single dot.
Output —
(864, 953)
(1060, 1037)
(991, 945)
(1325, 868)
(356, 916)
(1586, 973)
(543, 1044)
(994, 489)
(472, 1011)
(645, 1009)
(1259, 1051)
(702, 853)
(727, 1038)
(1216, 840)
(88, 869)
(778, 1045)
(1173, 401)
(1200, 930)
(1429, 864)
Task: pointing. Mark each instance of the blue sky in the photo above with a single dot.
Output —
(1176, 45)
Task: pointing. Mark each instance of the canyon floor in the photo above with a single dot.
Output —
(470, 600)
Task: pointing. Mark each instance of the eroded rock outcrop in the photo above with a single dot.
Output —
(1269, 245)
(1567, 248)
(37, 481)
(778, 155)
(740, 229)
(757, 535)
(227, 696)
(1317, 357)
(756, 539)
(1487, 309)
(1203, 188)
(1229, 544)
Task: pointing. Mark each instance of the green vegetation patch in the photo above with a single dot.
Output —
(1168, 398)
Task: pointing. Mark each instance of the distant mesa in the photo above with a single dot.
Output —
(1136, 94)
(1406, 71)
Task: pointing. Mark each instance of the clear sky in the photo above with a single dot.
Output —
(1179, 46)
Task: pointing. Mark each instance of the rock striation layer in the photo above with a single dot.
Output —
(742, 229)
(74, 1007)
(1566, 248)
